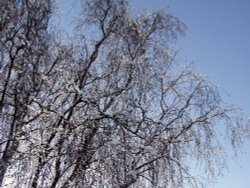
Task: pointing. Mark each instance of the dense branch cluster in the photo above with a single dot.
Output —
(114, 108)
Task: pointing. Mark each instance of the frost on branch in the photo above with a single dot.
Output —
(112, 107)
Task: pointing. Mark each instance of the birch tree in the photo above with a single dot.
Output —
(23, 39)
(113, 107)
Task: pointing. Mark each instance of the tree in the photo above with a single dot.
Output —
(23, 38)
(112, 108)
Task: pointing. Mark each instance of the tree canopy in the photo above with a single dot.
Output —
(110, 107)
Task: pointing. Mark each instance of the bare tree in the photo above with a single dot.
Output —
(24, 42)
(112, 108)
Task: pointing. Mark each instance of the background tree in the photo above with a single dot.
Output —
(112, 108)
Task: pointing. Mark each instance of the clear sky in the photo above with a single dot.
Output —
(218, 40)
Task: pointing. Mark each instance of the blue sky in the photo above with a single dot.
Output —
(218, 40)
